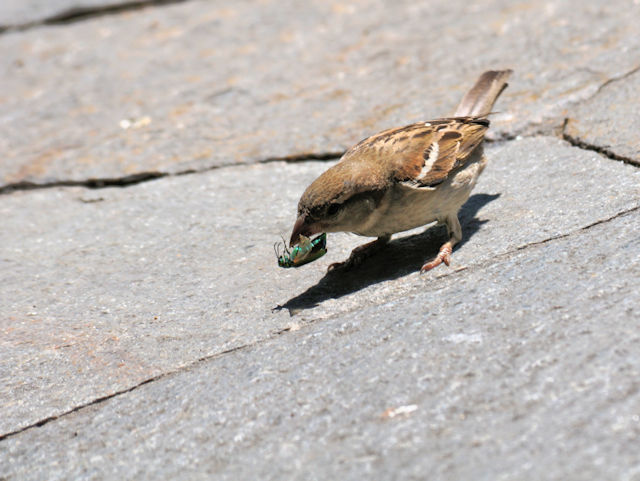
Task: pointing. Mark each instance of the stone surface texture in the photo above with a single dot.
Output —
(605, 123)
(184, 268)
(151, 158)
(202, 84)
(502, 374)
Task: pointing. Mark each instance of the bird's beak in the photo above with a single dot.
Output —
(301, 228)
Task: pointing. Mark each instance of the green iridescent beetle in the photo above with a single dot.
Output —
(307, 250)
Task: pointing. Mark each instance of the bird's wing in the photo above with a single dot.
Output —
(420, 155)
(424, 154)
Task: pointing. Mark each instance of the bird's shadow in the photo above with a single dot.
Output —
(399, 258)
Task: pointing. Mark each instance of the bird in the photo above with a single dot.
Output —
(403, 178)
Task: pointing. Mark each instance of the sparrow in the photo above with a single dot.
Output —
(404, 177)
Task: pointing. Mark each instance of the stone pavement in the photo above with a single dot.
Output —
(153, 152)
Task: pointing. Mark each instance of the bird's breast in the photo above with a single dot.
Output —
(405, 207)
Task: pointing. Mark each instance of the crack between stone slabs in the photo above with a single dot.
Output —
(615, 79)
(141, 177)
(605, 83)
(275, 334)
(489, 262)
(551, 128)
(134, 179)
(581, 144)
(97, 183)
(78, 14)
(534, 244)
(593, 147)
(107, 397)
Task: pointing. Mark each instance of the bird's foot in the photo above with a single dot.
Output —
(443, 256)
(359, 254)
(350, 263)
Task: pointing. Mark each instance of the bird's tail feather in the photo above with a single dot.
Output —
(480, 99)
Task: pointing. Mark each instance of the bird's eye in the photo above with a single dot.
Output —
(333, 209)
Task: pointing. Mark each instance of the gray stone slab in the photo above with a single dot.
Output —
(609, 120)
(203, 84)
(20, 13)
(103, 289)
(524, 369)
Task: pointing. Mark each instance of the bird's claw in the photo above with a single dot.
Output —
(350, 263)
(335, 265)
(443, 256)
(359, 254)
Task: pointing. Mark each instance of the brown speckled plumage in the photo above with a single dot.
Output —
(405, 177)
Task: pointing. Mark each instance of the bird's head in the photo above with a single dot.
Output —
(340, 200)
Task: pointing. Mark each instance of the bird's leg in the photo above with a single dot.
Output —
(360, 253)
(455, 235)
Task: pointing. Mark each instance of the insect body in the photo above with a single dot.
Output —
(307, 250)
